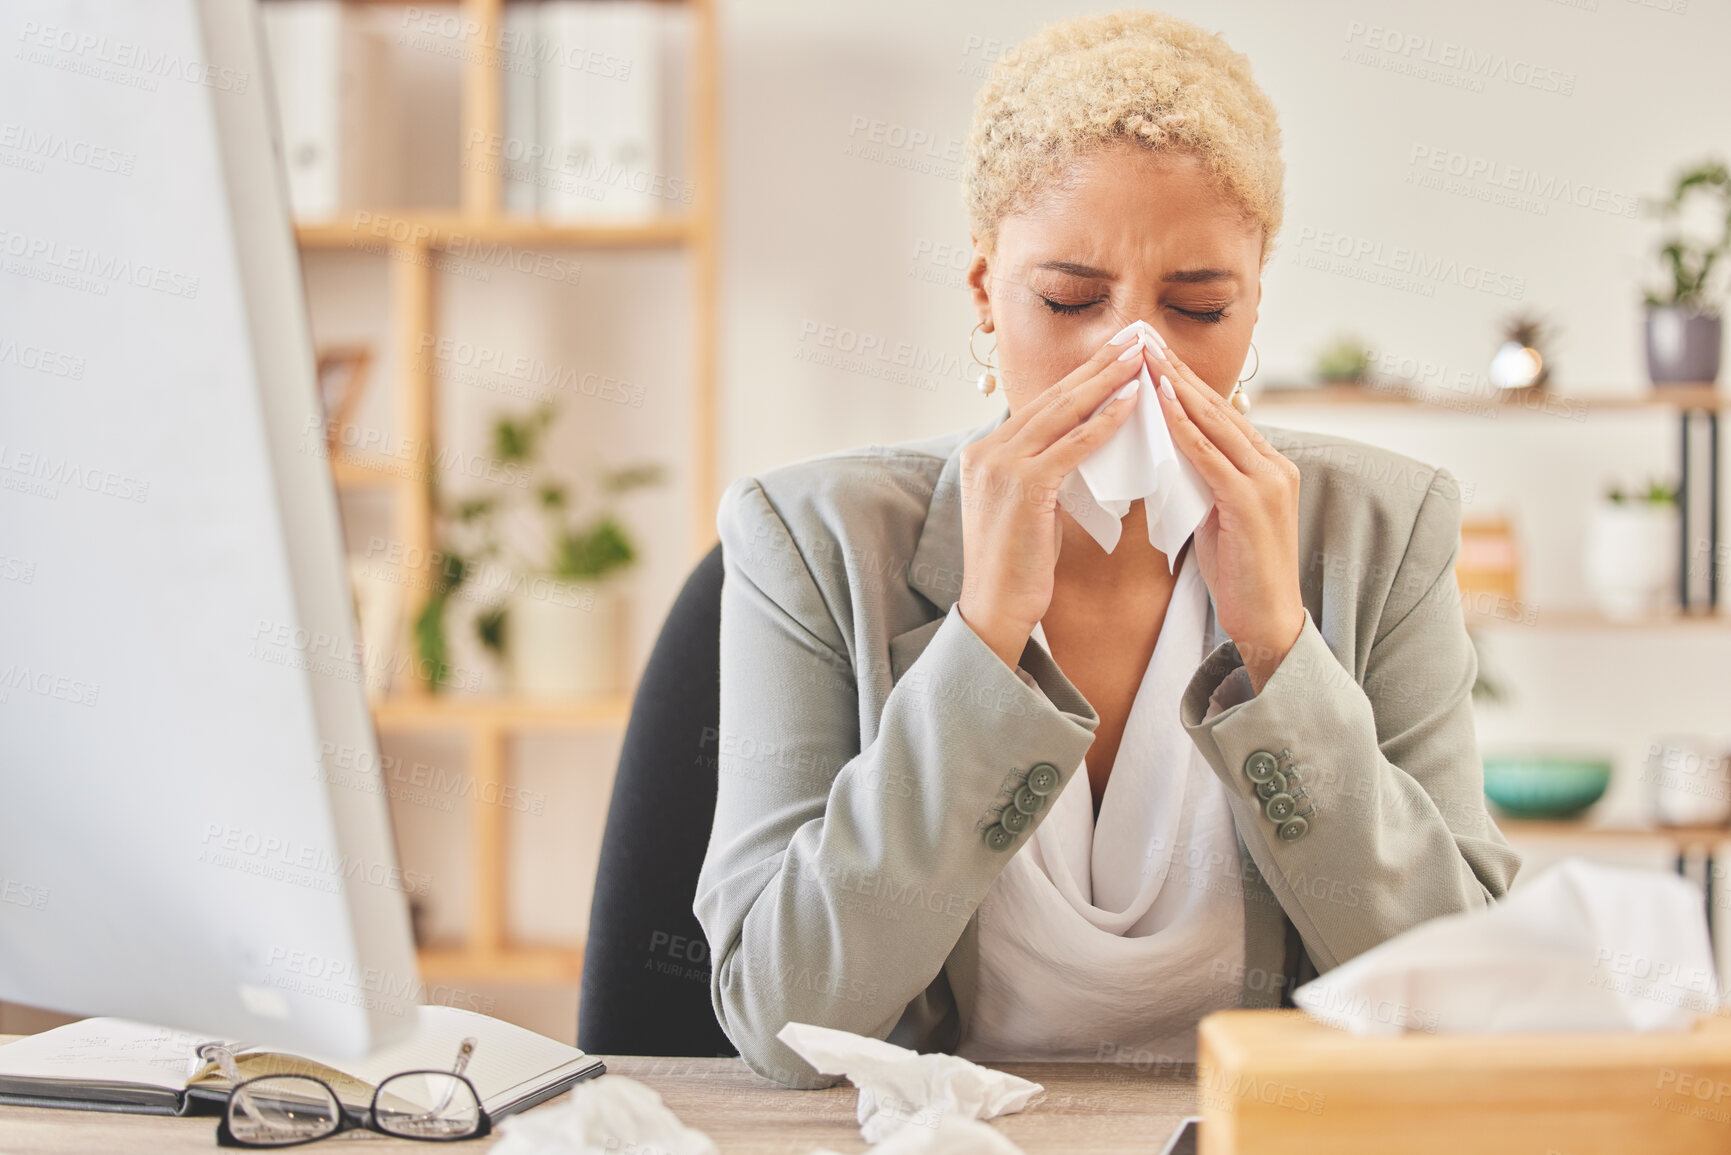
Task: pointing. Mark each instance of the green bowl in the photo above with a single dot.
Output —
(1541, 787)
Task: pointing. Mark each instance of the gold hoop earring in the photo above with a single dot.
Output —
(1239, 398)
(1242, 380)
(987, 381)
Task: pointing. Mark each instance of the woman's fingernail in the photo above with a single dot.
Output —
(1129, 389)
(1166, 388)
(1133, 351)
(1127, 333)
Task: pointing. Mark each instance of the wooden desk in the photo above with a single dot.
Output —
(1086, 1107)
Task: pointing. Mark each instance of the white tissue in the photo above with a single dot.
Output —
(951, 1137)
(899, 1088)
(1139, 461)
(603, 1116)
(1582, 947)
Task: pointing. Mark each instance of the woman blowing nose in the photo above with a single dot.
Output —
(988, 788)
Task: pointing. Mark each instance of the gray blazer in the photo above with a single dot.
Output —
(869, 741)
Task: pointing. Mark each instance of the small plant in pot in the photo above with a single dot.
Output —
(555, 608)
(1632, 551)
(1683, 325)
(1346, 361)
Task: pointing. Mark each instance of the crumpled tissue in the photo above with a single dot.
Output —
(1582, 947)
(899, 1087)
(603, 1116)
(1138, 461)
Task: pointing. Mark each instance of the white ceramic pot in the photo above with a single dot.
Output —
(1690, 777)
(1632, 558)
(379, 616)
(565, 639)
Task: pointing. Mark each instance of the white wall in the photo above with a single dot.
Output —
(817, 235)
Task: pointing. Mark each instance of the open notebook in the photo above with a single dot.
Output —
(118, 1065)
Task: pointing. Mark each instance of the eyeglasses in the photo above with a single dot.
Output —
(286, 1110)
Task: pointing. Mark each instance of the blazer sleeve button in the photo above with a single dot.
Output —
(998, 838)
(1027, 801)
(1280, 807)
(1043, 778)
(1014, 820)
(1260, 766)
(1293, 828)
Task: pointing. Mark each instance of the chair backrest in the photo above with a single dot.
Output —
(646, 966)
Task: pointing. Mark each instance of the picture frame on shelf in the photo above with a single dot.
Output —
(343, 372)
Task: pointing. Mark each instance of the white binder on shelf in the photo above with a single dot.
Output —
(522, 156)
(335, 104)
(636, 135)
(600, 110)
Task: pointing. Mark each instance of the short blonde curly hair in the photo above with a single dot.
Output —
(1133, 75)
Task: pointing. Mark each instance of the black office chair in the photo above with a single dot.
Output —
(646, 968)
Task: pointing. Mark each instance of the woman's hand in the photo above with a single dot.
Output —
(1247, 547)
(1010, 480)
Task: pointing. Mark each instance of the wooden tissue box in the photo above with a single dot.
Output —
(1281, 1081)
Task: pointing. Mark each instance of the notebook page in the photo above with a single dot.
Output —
(505, 1055)
(106, 1051)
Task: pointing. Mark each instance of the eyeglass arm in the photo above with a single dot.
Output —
(465, 1049)
(220, 1054)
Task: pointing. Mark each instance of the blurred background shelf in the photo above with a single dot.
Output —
(1708, 397)
(1591, 619)
(522, 964)
(1682, 839)
(515, 713)
(1689, 403)
(412, 260)
(355, 473)
(457, 231)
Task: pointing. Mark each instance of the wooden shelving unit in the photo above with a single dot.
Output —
(1704, 400)
(1588, 619)
(540, 966)
(1674, 397)
(674, 232)
(1679, 839)
(488, 725)
(473, 713)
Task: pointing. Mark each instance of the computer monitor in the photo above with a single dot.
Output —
(177, 663)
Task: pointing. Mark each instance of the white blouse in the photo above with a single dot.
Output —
(1108, 939)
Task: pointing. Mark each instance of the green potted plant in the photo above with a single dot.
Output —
(1683, 326)
(1346, 361)
(1632, 550)
(547, 565)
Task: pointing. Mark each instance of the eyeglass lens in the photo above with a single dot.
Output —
(426, 1105)
(281, 1109)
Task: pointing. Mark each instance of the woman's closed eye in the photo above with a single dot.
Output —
(1211, 317)
(1068, 308)
(1071, 308)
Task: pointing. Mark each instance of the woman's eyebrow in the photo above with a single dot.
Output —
(1075, 270)
(1179, 276)
(1198, 276)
